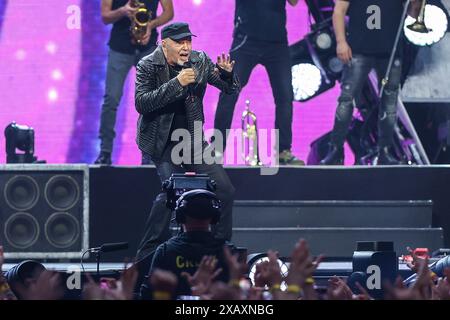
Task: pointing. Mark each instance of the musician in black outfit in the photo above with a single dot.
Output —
(124, 53)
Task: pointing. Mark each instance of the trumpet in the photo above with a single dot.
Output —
(139, 22)
(419, 24)
(250, 137)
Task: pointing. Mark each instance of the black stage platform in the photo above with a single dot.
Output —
(121, 197)
(73, 207)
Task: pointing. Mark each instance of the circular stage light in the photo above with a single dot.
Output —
(324, 41)
(21, 230)
(306, 81)
(21, 192)
(62, 230)
(62, 192)
(257, 258)
(335, 65)
(435, 19)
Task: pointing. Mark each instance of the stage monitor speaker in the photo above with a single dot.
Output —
(44, 211)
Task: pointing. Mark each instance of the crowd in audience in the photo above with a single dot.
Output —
(31, 281)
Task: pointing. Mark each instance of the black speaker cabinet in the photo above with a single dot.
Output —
(44, 211)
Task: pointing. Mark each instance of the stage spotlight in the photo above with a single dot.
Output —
(315, 66)
(323, 40)
(256, 258)
(335, 65)
(435, 20)
(306, 81)
(22, 138)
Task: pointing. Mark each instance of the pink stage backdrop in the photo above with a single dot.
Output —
(52, 70)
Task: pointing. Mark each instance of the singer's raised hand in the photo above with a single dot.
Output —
(224, 62)
(186, 77)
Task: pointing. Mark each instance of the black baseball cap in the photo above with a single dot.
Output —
(176, 31)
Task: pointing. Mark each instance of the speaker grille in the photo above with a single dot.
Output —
(62, 192)
(62, 230)
(21, 230)
(21, 193)
(45, 210)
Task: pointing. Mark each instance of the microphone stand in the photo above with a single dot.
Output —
(97, 252)
(97, 258)
(385, 80)
(401, 108)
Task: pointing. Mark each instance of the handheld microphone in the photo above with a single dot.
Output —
(109, 247)
(190, 88)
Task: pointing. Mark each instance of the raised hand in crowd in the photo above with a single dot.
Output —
(164, 284)
(420, 290)
(399, 291)
(262, 274)
(110, 288)
(92, 290)
(363, 294)
(202, 279)
(236, 269)
(338, 289)
(107, 289)
(128, 280)
(268, 272)
(441, 291)
(47, 286)
(301, 270)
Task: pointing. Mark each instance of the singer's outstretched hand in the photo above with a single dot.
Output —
(225, 62)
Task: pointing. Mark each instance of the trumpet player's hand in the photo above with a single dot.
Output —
(225, 63)
(128, 10)
(344, 52)
(186, 77)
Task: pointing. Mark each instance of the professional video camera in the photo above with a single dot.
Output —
(179, 183)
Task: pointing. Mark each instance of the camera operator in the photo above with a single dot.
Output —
(196, 211)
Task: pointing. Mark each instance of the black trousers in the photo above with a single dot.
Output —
(275, 58)
(353, 78)
(157, 226)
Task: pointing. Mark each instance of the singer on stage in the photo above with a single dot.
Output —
(170, 85)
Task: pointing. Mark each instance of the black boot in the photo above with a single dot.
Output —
(104, 158)
(335, 156)
(384, 157)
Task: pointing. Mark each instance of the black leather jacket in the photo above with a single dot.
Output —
(155, 90)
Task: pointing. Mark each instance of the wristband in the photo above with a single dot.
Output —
(293, 288)
(161, 295)
(235, 283)
(275, 287)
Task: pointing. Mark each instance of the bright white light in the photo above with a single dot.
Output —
(306, 81)
(435, 19)
(52, 95)
(56, 74)
(197, 2)
(51, 47)
(324, 41)
(21, 54)
(283, 267)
